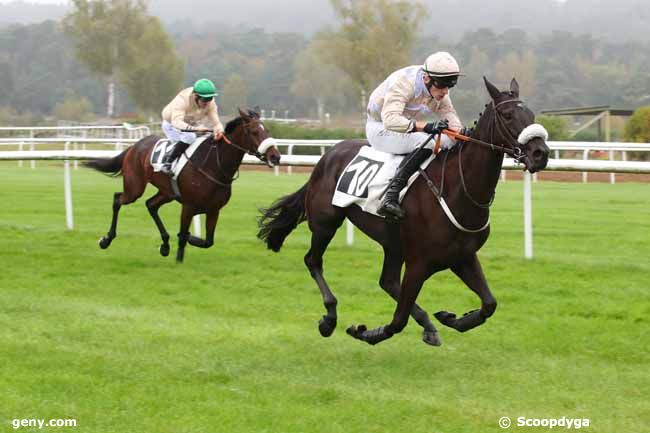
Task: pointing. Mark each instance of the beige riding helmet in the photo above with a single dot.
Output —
(441, 64)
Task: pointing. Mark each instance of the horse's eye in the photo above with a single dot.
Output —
(507, 116)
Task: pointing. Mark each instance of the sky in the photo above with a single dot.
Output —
(49, 2)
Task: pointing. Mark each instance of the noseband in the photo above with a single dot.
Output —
(246, 135)
(230, 142)
(514, 150)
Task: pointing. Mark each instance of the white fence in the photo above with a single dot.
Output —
(76, 143)
(311, 160)
(126, 130)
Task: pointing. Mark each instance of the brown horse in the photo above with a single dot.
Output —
(427, 241)
(204, 184)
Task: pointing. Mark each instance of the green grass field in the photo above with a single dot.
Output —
(124, 340)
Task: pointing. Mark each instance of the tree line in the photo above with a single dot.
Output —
(103, 46)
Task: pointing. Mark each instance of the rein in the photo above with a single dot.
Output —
(462, 182)
(443, 203)
(513, 150)
(230, 142)
(219, 168)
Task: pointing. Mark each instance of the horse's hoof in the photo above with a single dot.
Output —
(356, 331)
(445, 317)
(431, 338)
(326, 326)
(164, 250)
(104, 242)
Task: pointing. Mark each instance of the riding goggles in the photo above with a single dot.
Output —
(444, 82)
(206, 98)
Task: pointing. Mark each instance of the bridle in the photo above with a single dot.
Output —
(515, 151)
(512, 148)
(247, 133)
(229, 141)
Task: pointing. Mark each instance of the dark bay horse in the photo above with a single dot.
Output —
(426, 241)
(204, 184)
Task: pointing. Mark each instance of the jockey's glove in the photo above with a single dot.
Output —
(436, 127)
(467, 131)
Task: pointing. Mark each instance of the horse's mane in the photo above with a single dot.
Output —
(234, 123)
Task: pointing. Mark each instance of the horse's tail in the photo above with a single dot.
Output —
(281, 218)
(113, 166)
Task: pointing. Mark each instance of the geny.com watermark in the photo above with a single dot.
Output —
(564, 422)
(40, 423)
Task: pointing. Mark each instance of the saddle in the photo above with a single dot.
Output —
(165, 146)
(365, 179)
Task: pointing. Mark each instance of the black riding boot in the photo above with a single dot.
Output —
(179, 148)
(390, 207)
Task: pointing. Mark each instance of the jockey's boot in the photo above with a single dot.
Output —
(390, 207)
(179, 148)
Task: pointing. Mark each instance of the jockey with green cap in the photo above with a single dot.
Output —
(193, 108)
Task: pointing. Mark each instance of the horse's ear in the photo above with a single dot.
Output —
(242, 114)
(514, 88)
(257, 111)
(492, 90)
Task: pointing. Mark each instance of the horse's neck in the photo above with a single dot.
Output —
(481, 165)
(226, 159)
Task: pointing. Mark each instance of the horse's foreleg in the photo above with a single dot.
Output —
(320, 239)
(390, 283)
(413, 279)
(184, 233)
(105, 241)
(471, 273)
(153, 204)
(210, 224)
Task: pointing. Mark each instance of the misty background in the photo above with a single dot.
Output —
(617, 21)
(564, 54)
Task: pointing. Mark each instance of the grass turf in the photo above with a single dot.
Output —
(124, 340)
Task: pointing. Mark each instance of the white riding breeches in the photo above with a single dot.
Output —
(175, 135)
(400, 143)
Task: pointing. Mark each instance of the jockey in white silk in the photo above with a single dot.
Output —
(394, 110)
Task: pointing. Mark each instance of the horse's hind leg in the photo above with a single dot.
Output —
(471, 273)
(153, 204)
(134, 185)
(390, 282)
(105, 241)
(320, 239)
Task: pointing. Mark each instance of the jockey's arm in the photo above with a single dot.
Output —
(392, 112)
(178, 121)
(177, 109)
(213, 114)
(419, 126)
(447, 111)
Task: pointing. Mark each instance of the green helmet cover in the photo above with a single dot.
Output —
(205, 88)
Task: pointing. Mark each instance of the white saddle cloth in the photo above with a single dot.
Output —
(164, 146)
(366, 177)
